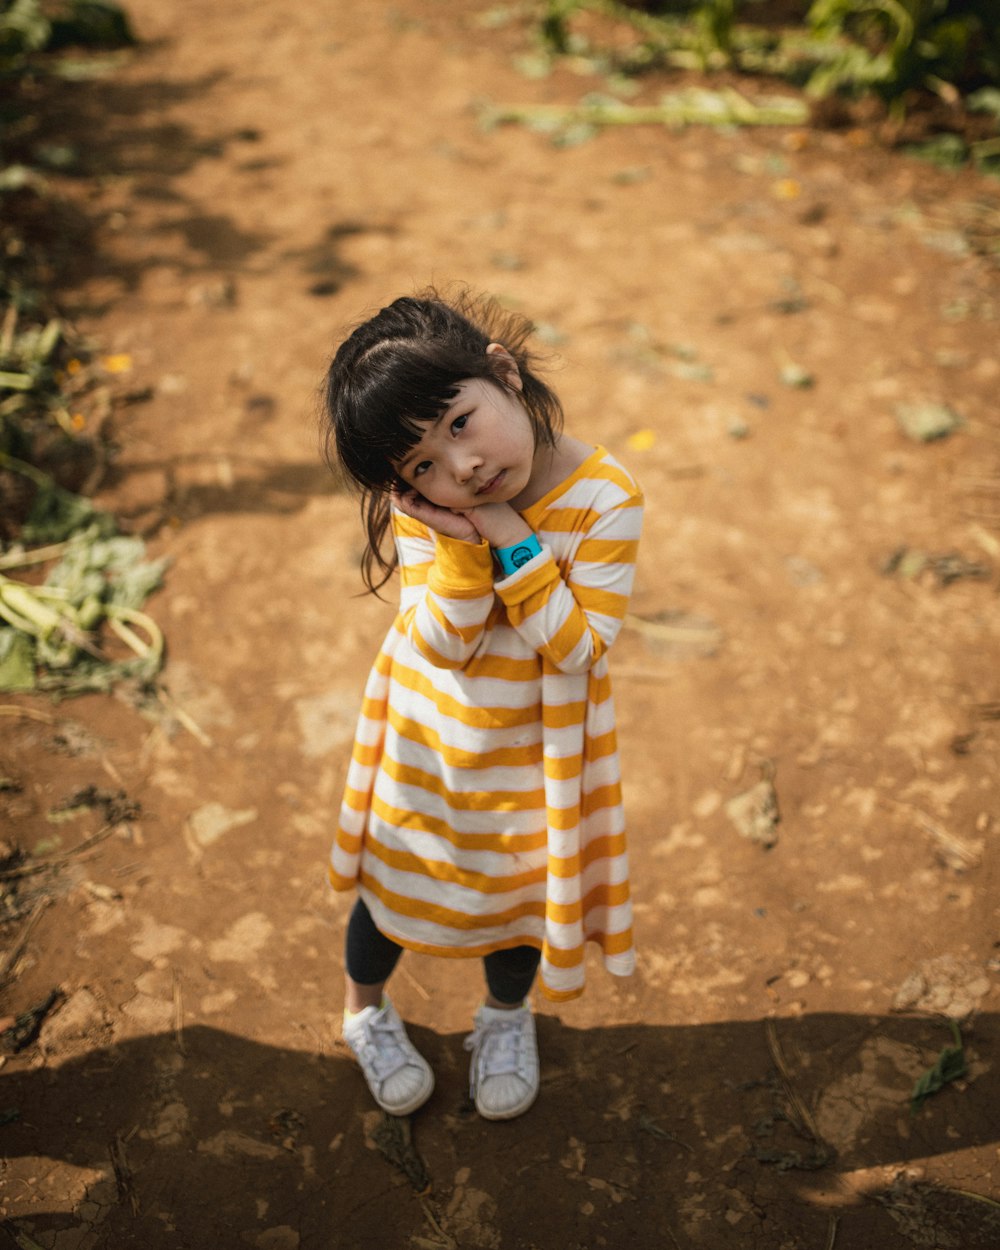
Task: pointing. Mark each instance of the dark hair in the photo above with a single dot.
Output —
(401, 369)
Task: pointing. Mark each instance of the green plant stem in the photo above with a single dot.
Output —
(21, 559)
(37, 476)
(724, 108)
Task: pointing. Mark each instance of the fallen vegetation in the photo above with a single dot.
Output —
(81, 628)
(937, 64)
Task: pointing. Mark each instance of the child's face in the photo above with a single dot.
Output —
(480, 450)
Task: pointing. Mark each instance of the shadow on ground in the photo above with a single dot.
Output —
(119, 136)
(736, 1134)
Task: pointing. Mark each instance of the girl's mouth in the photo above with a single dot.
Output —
(492, 484)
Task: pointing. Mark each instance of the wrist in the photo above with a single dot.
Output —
(503, 530)
(510, 558)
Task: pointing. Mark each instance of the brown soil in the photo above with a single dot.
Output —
(260, 176)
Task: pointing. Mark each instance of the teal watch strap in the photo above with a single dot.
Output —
(511, 558)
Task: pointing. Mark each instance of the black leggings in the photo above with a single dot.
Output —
(371, 958)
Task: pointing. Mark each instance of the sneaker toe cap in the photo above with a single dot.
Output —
(406, 1090)
(503, 1097)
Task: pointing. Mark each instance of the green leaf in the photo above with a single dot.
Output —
(55, 514)
(16, 381)
(17, 661)
(947, 151)
(985, 100)
(89, 23)
(950, 1066)
(17, 177)
(23, 27)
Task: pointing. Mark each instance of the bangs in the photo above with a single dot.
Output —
(392, 406)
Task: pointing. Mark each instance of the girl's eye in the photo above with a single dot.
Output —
(421, 468)
(459, 424)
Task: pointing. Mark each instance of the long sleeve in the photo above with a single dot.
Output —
(447, 592)
(571, 621)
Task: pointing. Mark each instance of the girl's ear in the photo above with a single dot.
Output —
(508, 369)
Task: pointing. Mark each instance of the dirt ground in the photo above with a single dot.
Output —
(816, 606)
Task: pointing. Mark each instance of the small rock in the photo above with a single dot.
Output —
(755, 813)
(926, 422)
(797, 376)
(946, 985)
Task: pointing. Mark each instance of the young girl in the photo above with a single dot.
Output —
(482, 814)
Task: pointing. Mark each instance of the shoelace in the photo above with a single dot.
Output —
(383, 1047)
(497, 1049)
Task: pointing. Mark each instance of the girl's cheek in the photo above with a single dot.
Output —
(434, 498)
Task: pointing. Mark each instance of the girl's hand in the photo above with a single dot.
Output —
(499, 524)
(443, 520)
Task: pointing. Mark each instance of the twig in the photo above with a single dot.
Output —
(112, 772)
(648, 1125)
(415, 983)
(663, 631)
(29, 713)
(449, 1242)
(123, 1173)
(831, 1235)
(806, 1125)
(178, 1015)
(189, 723)
(968, 1193)
(53, 861)
(964, 854)
(15, 952)
(957, 853)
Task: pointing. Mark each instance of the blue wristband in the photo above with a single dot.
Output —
(511, 558)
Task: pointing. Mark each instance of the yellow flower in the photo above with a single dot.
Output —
(787, 189)
(73, 366)
(120, 363)
(78, 421)
(641, 440)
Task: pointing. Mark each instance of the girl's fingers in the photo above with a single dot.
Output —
(443, 520)
(411, 503)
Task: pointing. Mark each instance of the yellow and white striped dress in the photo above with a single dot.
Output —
(483, 800)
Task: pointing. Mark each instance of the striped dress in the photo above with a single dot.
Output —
(483, 801)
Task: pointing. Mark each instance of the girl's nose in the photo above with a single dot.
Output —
(466, 466)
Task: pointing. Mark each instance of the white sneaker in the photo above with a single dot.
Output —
(398, 1076)
(504, 1070)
